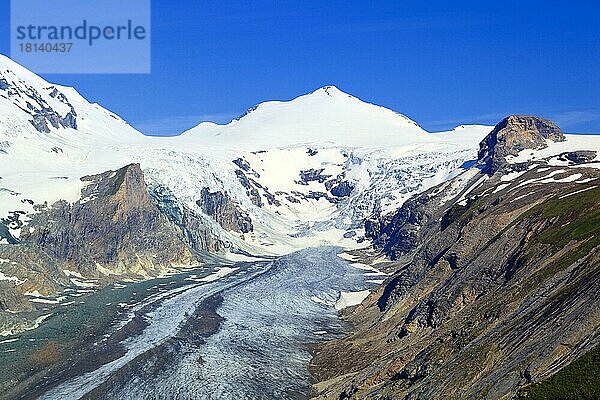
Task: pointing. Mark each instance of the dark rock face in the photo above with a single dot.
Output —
(226, 212)
(69, 120)
(40, 124)
(45, 116)
(42, 115)
(195, 231)
(508, 289)
(310, 175)
(6, 235)
(397, 234)
(513, 134)
(251, 187)
(4, 145)
(342, 189)
(243, 164)
(116, 225)
(337, 188)
(578, 157)
(271, 200)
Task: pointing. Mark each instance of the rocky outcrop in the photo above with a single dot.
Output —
(116, 226)
(30, 100)
(11, 299)
(196, 232)
(578, 157)
(242, 164)
(225, 211)
(4, 146)
(342, 189)
(30, 269)
(251, 187)
(13, 324)
(42, 117)
(397, 234)
(312, 175)
(514, 134)
(25, 270)
(5, 234)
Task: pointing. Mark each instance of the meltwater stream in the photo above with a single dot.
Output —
(261, 349)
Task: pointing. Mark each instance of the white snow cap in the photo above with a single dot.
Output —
(326, 116)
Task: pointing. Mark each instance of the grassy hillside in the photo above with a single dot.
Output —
(579, 380)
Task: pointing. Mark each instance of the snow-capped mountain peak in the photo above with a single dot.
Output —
(31, 106)
(288, 173)
(324, 116)
(331, 90)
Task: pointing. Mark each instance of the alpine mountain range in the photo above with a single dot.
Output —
(322, 247)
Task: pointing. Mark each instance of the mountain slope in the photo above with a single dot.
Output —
(285, 176)
(495, 286)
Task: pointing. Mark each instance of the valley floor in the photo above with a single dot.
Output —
(235, 333)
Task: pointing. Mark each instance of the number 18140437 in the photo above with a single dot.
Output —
(45, 47)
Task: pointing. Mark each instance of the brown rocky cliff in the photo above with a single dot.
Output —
(225, 211)
(116, 225)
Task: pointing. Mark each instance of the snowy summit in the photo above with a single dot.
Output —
(326, 116)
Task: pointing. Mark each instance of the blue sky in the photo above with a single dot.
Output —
(440, 63)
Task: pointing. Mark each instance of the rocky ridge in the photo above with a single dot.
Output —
(514, 134)
(114, 227)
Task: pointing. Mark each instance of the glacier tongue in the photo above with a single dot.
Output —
(260, 349)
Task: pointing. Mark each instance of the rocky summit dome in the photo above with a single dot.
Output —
(514, 134)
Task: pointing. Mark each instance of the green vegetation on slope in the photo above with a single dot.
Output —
(578, 217)
(578, 380)
(574, 218)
